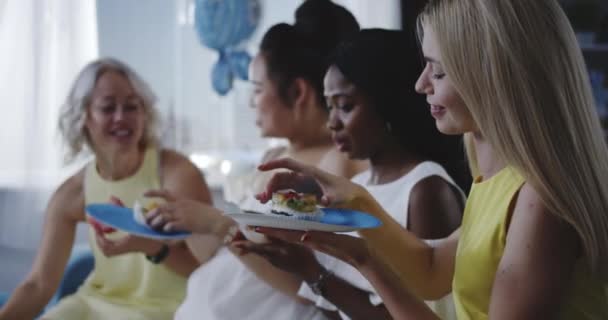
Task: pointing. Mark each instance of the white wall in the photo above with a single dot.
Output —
(159, 41)
(141, 33)
(217, 122)
(375, 13)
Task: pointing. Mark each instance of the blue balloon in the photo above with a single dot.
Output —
(221, 76)
(239, 63)
(222, 25)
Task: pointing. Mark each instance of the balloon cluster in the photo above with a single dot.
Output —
(222, 25)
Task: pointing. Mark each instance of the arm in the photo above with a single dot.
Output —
(423, 268)
(286, 282)
(347, 298)
(301, 262)
(536, 268)
(211, 227)
(427, 270)
(399, 301)
(181, 177)
(435, 210)
(64, 211)
(280, 280)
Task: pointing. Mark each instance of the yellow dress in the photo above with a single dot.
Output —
(482, 244)
(126, 286)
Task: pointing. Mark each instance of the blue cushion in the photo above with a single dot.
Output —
(77, 270)
(3, 298)
(79, 266)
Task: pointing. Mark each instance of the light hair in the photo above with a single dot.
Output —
(73, 112)
(519, 69)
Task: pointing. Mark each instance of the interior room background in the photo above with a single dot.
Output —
(44, 43)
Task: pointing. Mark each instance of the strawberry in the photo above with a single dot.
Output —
(292, 195)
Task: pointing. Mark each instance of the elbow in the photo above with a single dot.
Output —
(27, 300)
(431, 288)
(38, 289)
(434, 288)
(432, 294)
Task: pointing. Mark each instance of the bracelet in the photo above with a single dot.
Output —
(160, 256)
(318, 286)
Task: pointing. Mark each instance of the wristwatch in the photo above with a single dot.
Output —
(160, 255)
(318, 286)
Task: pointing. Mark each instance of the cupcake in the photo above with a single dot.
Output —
(290, 203)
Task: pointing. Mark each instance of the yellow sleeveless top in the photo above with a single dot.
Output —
(481, 246)
(130, 279)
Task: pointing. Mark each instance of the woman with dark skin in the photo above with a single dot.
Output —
(376, 115)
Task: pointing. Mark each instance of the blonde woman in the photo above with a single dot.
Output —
(534, 238)
(110, 113)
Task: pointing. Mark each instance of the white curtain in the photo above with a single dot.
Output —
(44, 43)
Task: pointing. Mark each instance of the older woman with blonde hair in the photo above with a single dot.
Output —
(110, 112)
(534, 238)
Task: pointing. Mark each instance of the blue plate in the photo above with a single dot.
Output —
(121, 218)
(333, 220)
(351, 218)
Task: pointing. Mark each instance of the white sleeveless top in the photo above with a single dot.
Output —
(225, 289)
(394, 198)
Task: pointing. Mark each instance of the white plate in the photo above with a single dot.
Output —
(334, 220)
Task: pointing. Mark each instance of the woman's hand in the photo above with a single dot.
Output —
(332, 190)
(349, 249)
(100, 227)
(125, 244)
(183, 214)
(290, 257)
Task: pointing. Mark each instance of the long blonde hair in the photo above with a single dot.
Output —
(74, 110)
(521, 73)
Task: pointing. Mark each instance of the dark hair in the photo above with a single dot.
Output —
(301, 50)
(384, 66)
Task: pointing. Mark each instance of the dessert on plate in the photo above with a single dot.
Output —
(140, 211)
(290, 203)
